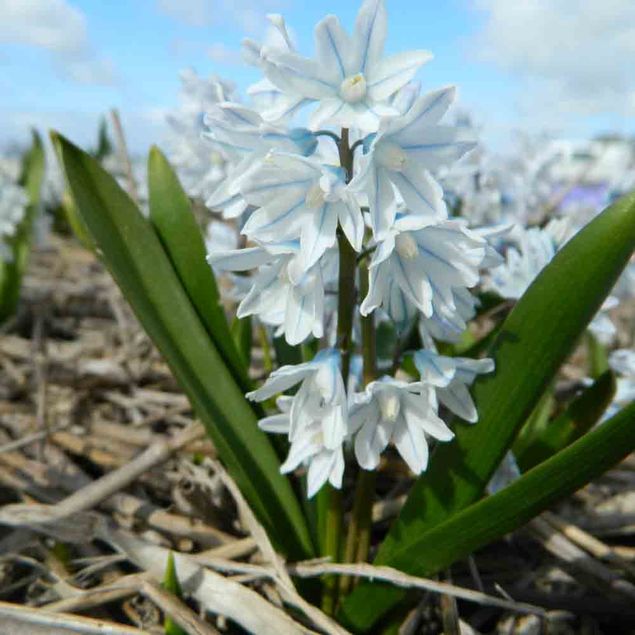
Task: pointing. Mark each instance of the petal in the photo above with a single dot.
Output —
(370, 35)
(419, 412)
(299, 452)
(377, 286)
(299, 316)
(326, 113)
(318, 233)
(420, 191)
(426, 111)
(381, 201)
(275, 424)
(394, 72)
(279, 220)
(280, 380)
(436, 145)
(371, 441)
(296, 75)
(434, 369)
(411, 444)
(239, 259)
(414, 282)
(320, 469)
(352, 222)
(456, 397)
(333, 49)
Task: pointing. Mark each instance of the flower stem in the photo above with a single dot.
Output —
(332, 510)
(358, 536)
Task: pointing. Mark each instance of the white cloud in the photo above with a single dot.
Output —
(59, 28)
(572, 56)
(248, 15)
(192, 12)
(222, 54)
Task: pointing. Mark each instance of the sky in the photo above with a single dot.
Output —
(562, 67)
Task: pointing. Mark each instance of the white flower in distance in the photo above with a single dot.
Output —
(401, 155)
(13, 203)
(321, 397)
(622, 361)
(324, 464)
(427, 261)
(395, 411)
(451, 378)
(245, 138)
(282, 293)
(349, 78)
(298, 197)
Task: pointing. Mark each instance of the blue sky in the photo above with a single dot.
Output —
(539, 66)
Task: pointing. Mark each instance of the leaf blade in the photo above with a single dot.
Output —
(138, 263)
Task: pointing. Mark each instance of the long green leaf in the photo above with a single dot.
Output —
(537, 336)
(509, 509)
(31, 178)
(137, 261)
(172, 216)
(579, 417)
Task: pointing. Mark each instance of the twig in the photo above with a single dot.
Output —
(101, 489)
(27, 620)
(398, 578)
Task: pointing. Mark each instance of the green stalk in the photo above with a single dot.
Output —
(358, 536)
(332, 507)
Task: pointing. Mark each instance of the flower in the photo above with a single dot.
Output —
(427, 261)
(401, 155)
(622, 361)
(245, 138)
(298, 197)
(321, 398)
(13, 203)
(282, 293)
(451, 377)
(404, 413)
(349, 78)
(324, 464)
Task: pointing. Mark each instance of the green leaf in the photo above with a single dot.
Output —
(172, 216)
(536, 425)
(580, 416)
(137, 261)
(242, 335)
(535, 339)
(11, 273)
(497, 515)
(172, 585)
(597, 355)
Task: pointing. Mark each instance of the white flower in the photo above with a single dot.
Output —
(392, 410)
(427, 261)
(451, 377)
(268, 99)
(401, 155)
(536, 249)
(13, 203)
(298, 197)
(320, 399)
(448, 325)
(282, 293)
(622, 361)
(199, 167)
(506, 473)
(244, 138)
(324, 464)
(348, 77)
(601, 325)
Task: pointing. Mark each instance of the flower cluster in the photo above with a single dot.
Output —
(13, 203)
(343, 211)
